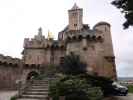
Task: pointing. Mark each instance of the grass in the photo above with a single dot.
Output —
(130, 88)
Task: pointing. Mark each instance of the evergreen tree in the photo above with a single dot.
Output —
(72, 65)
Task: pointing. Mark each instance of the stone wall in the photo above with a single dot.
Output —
(35, 56)
(90, 52)
(10, 72)
(109, 67)
(58, 54)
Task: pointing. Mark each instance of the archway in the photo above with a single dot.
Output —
(32, 75)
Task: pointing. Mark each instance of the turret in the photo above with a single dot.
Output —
(104, 30)
(39, 37)
(75, 18)
(108, 53)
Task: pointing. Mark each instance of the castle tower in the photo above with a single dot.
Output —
(109, 57)
(75, 18)
(104, 27)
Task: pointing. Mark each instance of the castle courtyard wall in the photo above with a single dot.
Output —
(9, 75)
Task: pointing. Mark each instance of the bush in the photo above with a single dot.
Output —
(75, 84)
(13, 98)
(98, 81)
(74, 88)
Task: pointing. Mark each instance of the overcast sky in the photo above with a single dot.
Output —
(20, 19)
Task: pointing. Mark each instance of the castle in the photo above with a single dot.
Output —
(94, 46)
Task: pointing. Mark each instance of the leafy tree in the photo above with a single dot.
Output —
(72, 65)
(126, 7)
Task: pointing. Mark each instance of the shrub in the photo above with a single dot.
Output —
(13, 98)
(74, 88)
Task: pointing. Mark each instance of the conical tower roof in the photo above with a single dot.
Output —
(75, 7)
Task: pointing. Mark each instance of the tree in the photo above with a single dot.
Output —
(126, 7)
(72, 65)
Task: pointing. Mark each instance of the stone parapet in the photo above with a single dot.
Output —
(44, 44)
(9, 60)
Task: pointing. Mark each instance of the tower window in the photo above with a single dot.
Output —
(74, 14)
(75, 25)
(61, 60)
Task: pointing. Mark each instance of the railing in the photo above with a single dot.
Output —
(23, 86)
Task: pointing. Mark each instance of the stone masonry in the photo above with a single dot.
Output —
(94, 46)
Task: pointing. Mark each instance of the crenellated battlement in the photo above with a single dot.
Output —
(33, 43)
(39, 41)
(44, 44)
(93, 38)
(9, 60)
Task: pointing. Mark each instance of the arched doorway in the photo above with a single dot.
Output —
(32, 75)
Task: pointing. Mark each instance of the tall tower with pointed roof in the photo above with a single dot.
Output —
(75, 18)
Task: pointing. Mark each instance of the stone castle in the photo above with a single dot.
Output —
(93, 45)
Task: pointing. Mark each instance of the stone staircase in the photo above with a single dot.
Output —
(38, 90)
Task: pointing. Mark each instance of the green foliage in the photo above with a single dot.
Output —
(74, 88)
(75, 84)
(126, 7)
(99, 81)
(130, 88)
(47, 71)
(72, 65)
(13, 98)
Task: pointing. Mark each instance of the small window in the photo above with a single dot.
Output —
(75, 25)
(61, 60)
(74, 14)
(84, 48)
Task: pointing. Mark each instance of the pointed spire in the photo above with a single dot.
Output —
(75, 7)
(40, 31)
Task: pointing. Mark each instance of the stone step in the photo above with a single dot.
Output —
(37, 90)
(41, 81)
(34, 96)
(37, 83)
(27, 99)
(40, 84)
(36, 93)
(38, 87)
